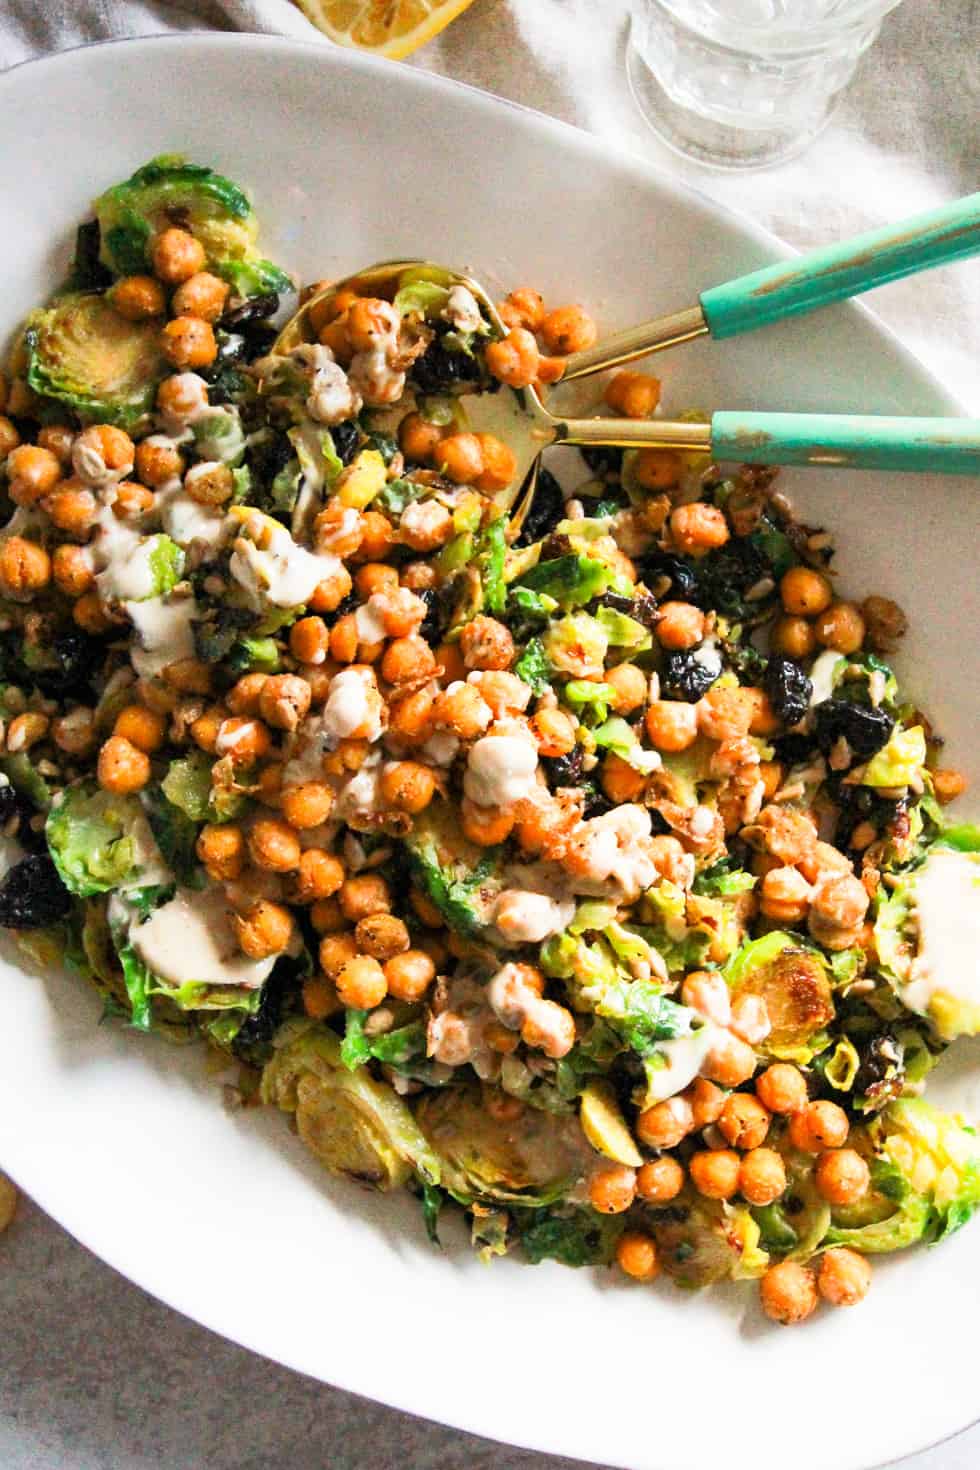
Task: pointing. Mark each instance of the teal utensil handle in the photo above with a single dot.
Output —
(844, 269)
(852, 441)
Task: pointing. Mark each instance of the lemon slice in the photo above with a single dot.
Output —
(605, 1127)
(392, 28)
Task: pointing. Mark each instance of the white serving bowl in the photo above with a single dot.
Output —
(123, 1140)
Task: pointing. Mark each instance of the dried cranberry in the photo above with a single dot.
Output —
(865, 730)
(32, 895)
(788, 688)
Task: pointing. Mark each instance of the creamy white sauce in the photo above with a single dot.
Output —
(113, 549)
(523, 917)
(91, 468)
(194, 404)
(615, 854)
(685, 1057)
(370, 618)
(332, 397)
(708, 657)
(164, 633)
(424, 518)
(350, 706)
(191, 939)
(282, 572)
(441, 748)
(463, 310)
(501, 770)
(947, 904)
(359, 797)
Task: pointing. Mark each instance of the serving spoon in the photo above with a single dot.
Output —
(520, 418)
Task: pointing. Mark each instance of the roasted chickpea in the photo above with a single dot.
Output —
(568, 329)
(361, 983)
(762, 1176)
(885, 623)
(202, 295)
(554, 731)
(365, 894)
(320, 998)
(243, 697)
(744, 1122)
(370, 319)
(57, 438)
(948, 784)
(630, 685)
(782, 1088)
(805, 592)
(841, 627)
(714, 1172)
(273, 846)
(221, 848)
(187, 342)
(788, 1292)
(462, 710)
(679, 625)
(620, 781)
(820, 1125)
(158, 460)
(407, 786)
(671, 724)
(377, 536)
(318, 877)
(244, 740)
(142, 727)
(72, 570)
(793, 637)
(138, 298)
(308, 805)
(698, 528)
(326, 915)
(486, 643)
(523, 308)
(730, 1061)
(176, 256)
(706, 1100)
(515, 359)
(265, 929)
(209, 483)
(9, 437)
(25, 567)
(122, 768)
(550, 1029)
(633, 394)
(460, 457)
(34, 471)
(90, 615)
(843, 1277)
(409, 974)
(660, 1180)
(382, 936)
(658, 469)
(131, 500)
(499, 464)
(484, 825)
(407, 659)
(842, 1177)
(666, 1123)
(284, 701)
(72, 509)
(309, 640)
(418, 440)
(335, 951)
(636, 1255)
(612, 1189)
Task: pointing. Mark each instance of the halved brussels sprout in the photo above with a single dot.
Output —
(355, 1125)
(455, 874)
(532, 1161)
(100, 841)
(604, 1125)
(699, 1243)
(83, 354)
(796, 987)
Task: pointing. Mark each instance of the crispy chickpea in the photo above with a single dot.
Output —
(407, 786)
(612, 1189)
(460, 456)
(461, 710)
(550, 1029)
(793, 637)
(679, 625)
(318, 877)
(633, 394)
(131, 500)
(244, 740)
(335, 952)
(344, 639)
(805, 592)
(206, 728)
(842, 1177)
(636, 1255)
(209, 483)
(407, 659)
(785, 895)
(761, 1176)
(620, 781)
(138, 298)
(630, 685)
(265, 929)
(361, 983)
(788, 1292)
(376, 577)
(308, 805)
(365, 894)
(58, 438)
(274, 846)
(320, 998)
(368, 319)
(72, 570)
(418, 440)
(202, 295)
(409, 974)
(410, 719)
(729, 1062)
(450, 660)
(187, 342)
(74, 733)
(714, 1172)
(724, 714)
(377, 536)
(181, 395)
(142, 727)
(843, 1277)
(270, 784)
(381, 936)
(554, 731)
(660, 1180)
(666, 1123)
(221, 848)
(657, 469)
(25, 567)
(568, 329)
(744, 1122)
(36, 470)
(515, 359)
(9, 437)
(523, 308)
(671, 724)
(90, 615)
(330, 593)
(486, 643)
(707, 1101)
(885, 623)
(122, 768)
(72, 509)
(948, 784)
(820, 1125)
(782, 1088)
(326, 915)
(750, 1018)
(176, 256)
(243, 697)
(499, 464)
(706, 992)
(485, 825)
(841, 627)
(158, 460)
(309, 640)
(284, 701)
(698, 528)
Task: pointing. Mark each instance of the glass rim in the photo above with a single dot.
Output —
(802, 36)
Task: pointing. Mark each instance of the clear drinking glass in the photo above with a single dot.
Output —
(740, 83)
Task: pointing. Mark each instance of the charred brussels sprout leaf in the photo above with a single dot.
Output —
(87, 271)
(95, 839)
(788, 689)
(531, 1161)
(82, 353)
(865, 730)
(32, 895)
(534, 666)
(576, 1238)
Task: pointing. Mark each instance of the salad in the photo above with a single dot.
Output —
(585, 871)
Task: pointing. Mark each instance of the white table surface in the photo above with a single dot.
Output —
(94, 1374)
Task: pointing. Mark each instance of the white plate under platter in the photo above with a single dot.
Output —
(224, 1216)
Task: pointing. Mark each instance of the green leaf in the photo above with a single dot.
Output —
(534, 666)
(433, 1199)
(253, 277)
(137, 980)
(572, 580)
(491, 552)
(581, 1238)
(724, 879)
(127, 246)
(166, 564)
